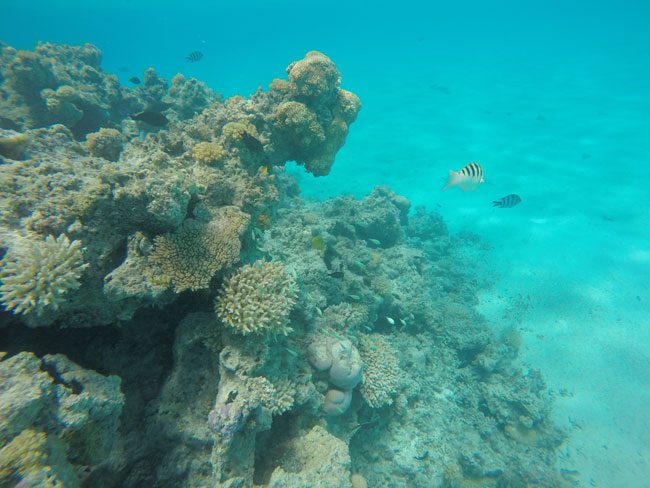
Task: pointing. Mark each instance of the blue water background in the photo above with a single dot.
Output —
(551, 97)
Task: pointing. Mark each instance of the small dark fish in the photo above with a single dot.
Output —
(123, 69)
(252, 143)
(508, 201)
(194, 56)
(337, 274)
(152, 118)
(135, 80)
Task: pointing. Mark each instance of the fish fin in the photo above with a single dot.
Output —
(452, 179)
(497, 203)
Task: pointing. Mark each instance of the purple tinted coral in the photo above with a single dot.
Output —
(225, 420)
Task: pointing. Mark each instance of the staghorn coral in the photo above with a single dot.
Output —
(381, 370)
(190, 257)
(257, 299)
(36, 275)
(105, 143)
(207, 152)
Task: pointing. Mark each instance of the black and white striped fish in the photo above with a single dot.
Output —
(508, 201)
(194, 56)
(467, 179)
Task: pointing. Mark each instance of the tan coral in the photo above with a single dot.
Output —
(277, 397)
(207, 152)
(190, 257)
(257, 299)
(37, 275)
(381, 370)
(105, 143)
(315, 77)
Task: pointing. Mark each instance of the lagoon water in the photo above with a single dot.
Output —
(551, 98)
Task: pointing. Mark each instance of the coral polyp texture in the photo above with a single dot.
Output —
(36, 275)
(258, 299)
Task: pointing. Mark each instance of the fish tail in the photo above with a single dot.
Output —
(497, 203)
(451, 180)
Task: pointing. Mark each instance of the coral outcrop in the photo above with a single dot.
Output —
(59, 421)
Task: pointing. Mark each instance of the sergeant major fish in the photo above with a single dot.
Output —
(467, 179)
(194, 56)
(508, 201)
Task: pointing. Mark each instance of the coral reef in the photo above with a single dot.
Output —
(244, 337)
(257, 299)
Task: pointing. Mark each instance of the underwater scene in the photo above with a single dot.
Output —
(271, 243)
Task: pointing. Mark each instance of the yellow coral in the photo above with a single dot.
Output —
(207, 152)
(257, 299)
(27, 457)
(191, 256)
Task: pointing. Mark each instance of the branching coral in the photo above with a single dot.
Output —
(191, 256)
(381, 369)
(207, 152)
(257, 299)
(36, 275)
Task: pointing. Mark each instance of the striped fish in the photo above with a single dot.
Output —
(194, 56)
(508, 201)
(467, 179)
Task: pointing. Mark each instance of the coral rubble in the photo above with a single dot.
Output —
(176, 316)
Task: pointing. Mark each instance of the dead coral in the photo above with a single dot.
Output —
(257, 299)
(190, 257)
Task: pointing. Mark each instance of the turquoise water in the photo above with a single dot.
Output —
(553, 100)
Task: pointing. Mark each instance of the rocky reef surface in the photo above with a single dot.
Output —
(175, 315)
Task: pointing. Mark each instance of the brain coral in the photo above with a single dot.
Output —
(257, 299)
(37, 274)
(381, 369)
(189, 257)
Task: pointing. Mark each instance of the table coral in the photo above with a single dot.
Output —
(190, 257)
